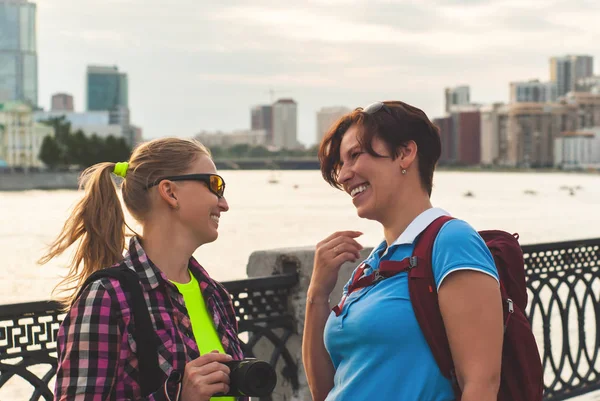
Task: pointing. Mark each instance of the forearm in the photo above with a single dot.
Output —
(481, 388)
(481, 391)
(317, 363)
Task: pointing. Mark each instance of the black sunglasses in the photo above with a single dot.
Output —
(215, 182)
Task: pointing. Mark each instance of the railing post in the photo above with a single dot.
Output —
(300, 261)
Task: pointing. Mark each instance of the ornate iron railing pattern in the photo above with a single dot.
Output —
(563, 281)
(264, 318)
(28, 332)
(28, 339)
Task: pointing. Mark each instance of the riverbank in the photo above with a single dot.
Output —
(38, 180)
(49, 180)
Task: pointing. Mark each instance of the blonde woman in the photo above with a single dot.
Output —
(172, 189)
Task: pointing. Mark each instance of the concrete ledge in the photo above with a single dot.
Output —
(38, 180)
(299, 260)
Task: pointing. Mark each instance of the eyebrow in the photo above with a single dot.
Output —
(354, 147)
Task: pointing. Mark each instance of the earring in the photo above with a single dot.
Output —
(176, 207)
(403, 171)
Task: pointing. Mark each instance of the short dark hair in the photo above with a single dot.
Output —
(405, 123)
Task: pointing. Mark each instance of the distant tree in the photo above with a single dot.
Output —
(259, 151)
(217, 151)
(292, 152)
(78, 149)
(50, 152)
(97, 149)
(240, 150)
(116, 149)
(313, 150)
(62, 128)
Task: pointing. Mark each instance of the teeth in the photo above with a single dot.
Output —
(358, 189)
(214, 218)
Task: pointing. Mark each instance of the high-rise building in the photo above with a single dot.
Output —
(285, 124)
(108, 90)
(526, 132)
(466, 125)
(578, 149)
(261, 118)
(588, 84)
(18, 52)
(326, 117)
(588, 105)
(567, 70)
(445, 127)
(490, 131)
(458, 95)
(62, 102)
(533, 91)
(460, 134)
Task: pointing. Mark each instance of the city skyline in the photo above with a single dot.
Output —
(208, 66)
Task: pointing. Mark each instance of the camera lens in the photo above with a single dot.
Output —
(251, 377)
(260, 379)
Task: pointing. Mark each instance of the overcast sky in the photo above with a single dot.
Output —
(197, 64)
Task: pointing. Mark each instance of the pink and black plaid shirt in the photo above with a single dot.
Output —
(96, 349)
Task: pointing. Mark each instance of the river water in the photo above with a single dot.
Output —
(300, 210)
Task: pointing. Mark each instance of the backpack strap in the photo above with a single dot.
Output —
(424, 299)
(150, 374)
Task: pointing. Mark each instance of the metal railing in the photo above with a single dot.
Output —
(563, 281)
(28, 332)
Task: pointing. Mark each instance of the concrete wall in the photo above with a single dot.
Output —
(286, 260)
(37, 180)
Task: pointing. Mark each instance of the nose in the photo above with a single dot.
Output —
(223, 205)
(345, 174)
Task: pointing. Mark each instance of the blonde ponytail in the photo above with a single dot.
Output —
(96, 224)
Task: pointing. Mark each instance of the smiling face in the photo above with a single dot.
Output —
(374, 182)
(199, 208)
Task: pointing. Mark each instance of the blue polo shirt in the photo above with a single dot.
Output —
(376, 346)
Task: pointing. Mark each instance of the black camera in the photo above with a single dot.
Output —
(251, 378)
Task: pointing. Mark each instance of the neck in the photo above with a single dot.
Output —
(169, 251)
(403, 214)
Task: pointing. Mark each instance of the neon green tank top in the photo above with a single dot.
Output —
(203, 327)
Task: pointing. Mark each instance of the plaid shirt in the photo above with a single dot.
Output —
(96, 349)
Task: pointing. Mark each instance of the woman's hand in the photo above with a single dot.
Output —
(331, 253)
(205, 376)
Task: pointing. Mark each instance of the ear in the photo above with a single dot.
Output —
(407, 154)
(168, 192)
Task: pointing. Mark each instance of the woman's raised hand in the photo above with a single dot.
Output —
(331, 253)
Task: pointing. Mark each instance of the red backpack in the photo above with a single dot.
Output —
(522, 371)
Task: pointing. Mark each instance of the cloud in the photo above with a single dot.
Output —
(277, 80)
(201, 65)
